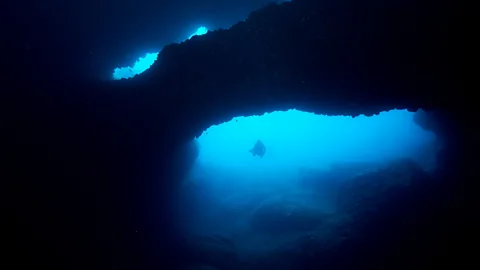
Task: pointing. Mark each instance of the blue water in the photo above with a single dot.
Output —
(143, 63)
(252, 201)
(294, 139)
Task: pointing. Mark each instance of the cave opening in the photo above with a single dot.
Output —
(315, 170)
(145, 62)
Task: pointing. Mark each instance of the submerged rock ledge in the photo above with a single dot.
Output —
(328, 57)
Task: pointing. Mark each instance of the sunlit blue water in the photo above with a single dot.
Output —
(144, 63)
(200, 31)
(229, 191)
(294, 139)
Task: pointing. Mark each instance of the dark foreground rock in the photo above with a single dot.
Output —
(283, 216)
(382, 217)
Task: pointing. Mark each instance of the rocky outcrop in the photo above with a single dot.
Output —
(282, 215)
(327, 57)
(213, 250)
(365, 192)
(381, 214)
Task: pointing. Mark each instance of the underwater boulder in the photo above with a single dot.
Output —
(213, 250)
(336, 173)
(386, 213)
(323, 184)
(377, 210)
(286, 215)
(366, 192)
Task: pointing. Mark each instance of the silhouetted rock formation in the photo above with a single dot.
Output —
(283, 215)
(390, 205)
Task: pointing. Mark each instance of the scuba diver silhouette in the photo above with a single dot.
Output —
(259, 149)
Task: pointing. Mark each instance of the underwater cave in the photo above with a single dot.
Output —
(366, 157)
(318, 175)
(145, 62)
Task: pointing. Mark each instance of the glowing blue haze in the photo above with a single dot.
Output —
(227, 183)
(200, 31)
(144, 63)
(297, 139)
